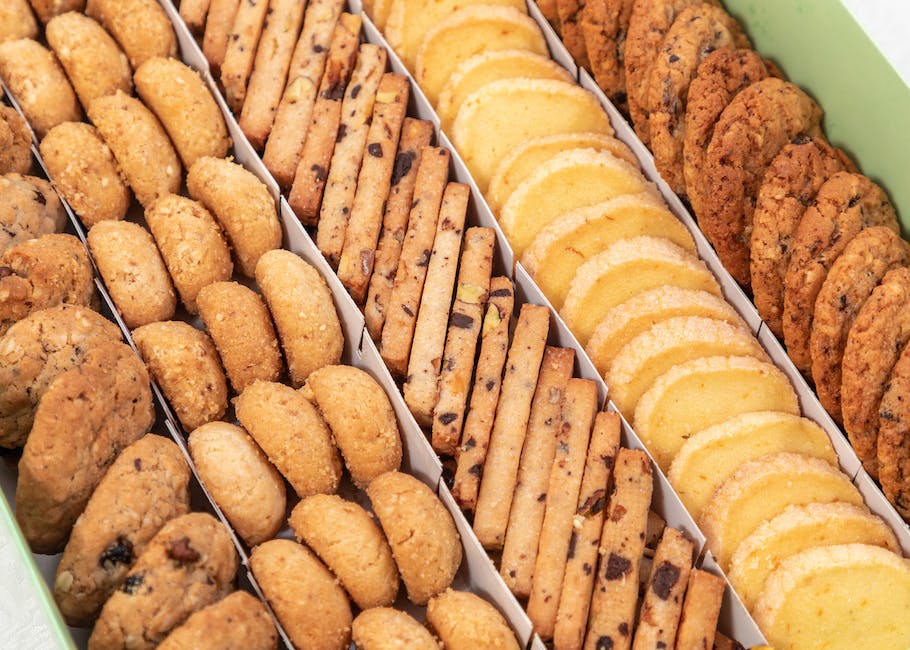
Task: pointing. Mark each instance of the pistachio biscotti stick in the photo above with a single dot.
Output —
(241, 49)
(217, 30)
(194, 13)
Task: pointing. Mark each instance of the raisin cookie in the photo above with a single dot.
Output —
(15, 142)
(29, 208)
(237, 622)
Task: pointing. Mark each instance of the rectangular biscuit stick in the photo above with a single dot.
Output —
(286, 140)
(475, 437)
(356, 262)
(270, 69)
(700, 611)
(356, 110)
(435, 305)
(242, 43)
(193, 13)
(398, 330)
(612, 616)
(722, 642)
(415, 134)
(578, 411)
(500, 472)
(570, 13)
(519, 552)
(578, 583)
(312, 170)
(663, 601)
(217, 28)
(471, 294)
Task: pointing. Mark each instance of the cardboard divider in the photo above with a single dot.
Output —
(734, 620)
(879, 505)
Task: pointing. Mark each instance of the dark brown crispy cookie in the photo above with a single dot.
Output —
(697, 31)
(844, 205)
(570, 30)
(853, 276)
(604, 24)
(719, 77)
(879, 333)
(893, 442)
(752, 129)
(649, 22)
(789, 187)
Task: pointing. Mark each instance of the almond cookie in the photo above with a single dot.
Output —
(697, 30)
(384, 628)
(192, 245)
(844, 205)
(875, 341)
(146, 157)
(47, 9)
(241, 328)
(35, 78)
(720, 76)
(184, 363)
(361, 418)
(189, 564)
(145, 487)
(465, 621)
(890, 451)
(853, 276)
(133, 271)
(17, 21)
(351, 544)
(29, 208)
(104, 404)
(41, 273)
(292, 434)
(140, 26)
(37, 349)
(94, 64)
(421, 532)
(85, 172)
(752, 129)
(788, 188)
(237, 622)
(247, 212)
(604, 26)
(15, 142)
(305, 596)
(301, 304)
(181, 100)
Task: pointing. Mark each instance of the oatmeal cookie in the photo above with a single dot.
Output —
(15, 142)
(29, 208)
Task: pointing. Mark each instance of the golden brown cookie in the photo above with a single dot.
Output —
(853, 276)
(237, 622)
(17, 21)
(29, 208)
(145, 487)
(697, 30)
(752, 129)
(788, 188)
(40, 273)
(604, 25)
(384, 628)
(844, 205)
(189, 564)
(892, 446)
(47, 9)
(15, 142)
(465, 621)
(241, 328)
(141, 27)
(879, 334)
(103, 405)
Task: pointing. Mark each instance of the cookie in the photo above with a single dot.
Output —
(241, 329)
(351, 544)
(85, 172)
(307, 599)
(218, 25)
(844, 205)
(464, 621)
(247, 213)
(144, 488)
(37, 349)
(662, 604)
(16, 140)
(242, 44)
(29, 208)
(360, 415)
(236, 622)
(720, 76)
(104, 404)
(770, 112)
(94, 63)
(696, 31)
(41, 273)
(184, 363)
(35, 78)
(188, 565)
(604, 25)
(890, 450)
(292, 434)
(141, 27)
(17, 21)
(183, 103)
(304, 313)
(421, 532)
(47, 9)
(192, 245)
(133, 271)
(194, 13)
(384, 628)
(142, 149)
(875, 342)
(788, 188)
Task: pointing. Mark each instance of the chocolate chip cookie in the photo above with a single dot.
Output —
(604, 24)
(893, 442)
